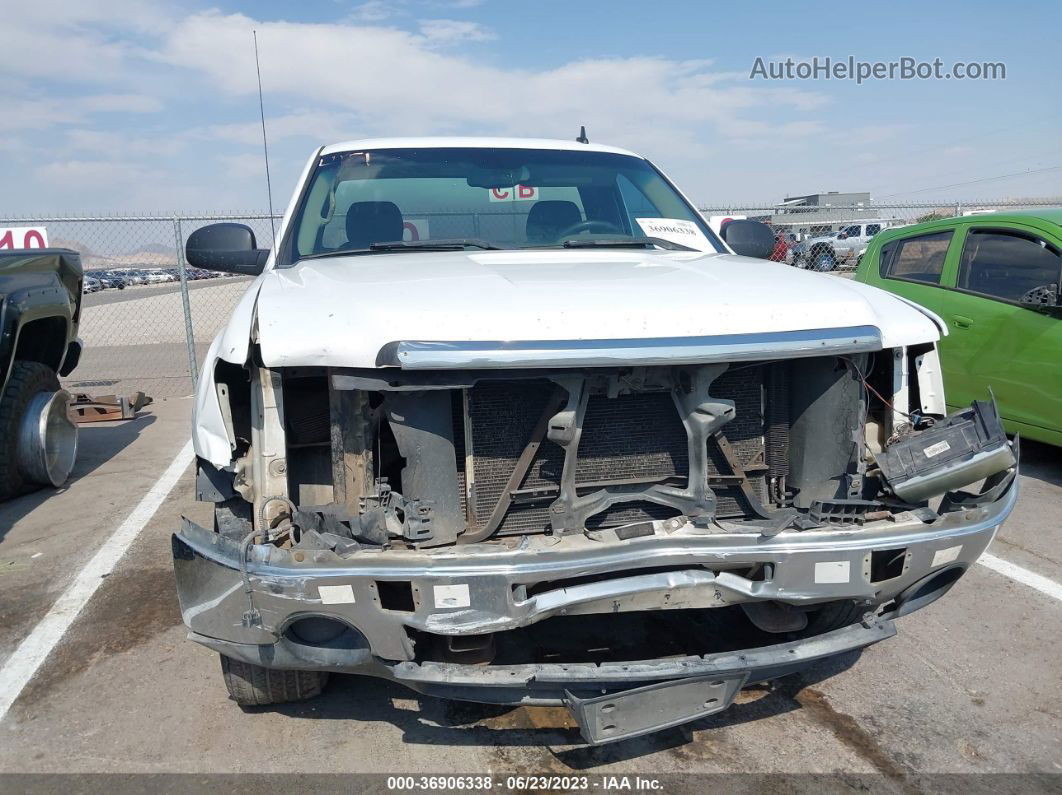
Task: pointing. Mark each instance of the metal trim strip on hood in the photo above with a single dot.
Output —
(442, 355)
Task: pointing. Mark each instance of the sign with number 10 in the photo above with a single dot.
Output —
(23, 237)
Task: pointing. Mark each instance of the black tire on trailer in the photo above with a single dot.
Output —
(27, 379)
(833, 615)
(252, 685)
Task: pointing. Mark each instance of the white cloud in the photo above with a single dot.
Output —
(76, 41)
(120, 145)
(33, 114)
(379, 10)
(244, 166)
(444, 32)
(361, 77)
(373, 11)
(317, 126)
(98, 174)
(22, 113)
(107, 184)
(120, 103)
(385, 70)
(393, 81)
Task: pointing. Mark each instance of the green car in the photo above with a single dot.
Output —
(994, 279)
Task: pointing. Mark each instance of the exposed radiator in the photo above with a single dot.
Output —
(629, 437)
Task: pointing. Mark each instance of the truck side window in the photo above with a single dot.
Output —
(873, 229)
(1007, 264)
(918, 259)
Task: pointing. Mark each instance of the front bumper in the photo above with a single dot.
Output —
(609, 701)
(484, 588)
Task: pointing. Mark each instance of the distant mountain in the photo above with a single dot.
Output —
(76, 245)
(147, 255)
(156, 248)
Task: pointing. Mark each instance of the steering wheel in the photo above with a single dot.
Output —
(590, 225)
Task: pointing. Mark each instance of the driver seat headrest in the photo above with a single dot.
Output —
(548, 219)
(373, 222)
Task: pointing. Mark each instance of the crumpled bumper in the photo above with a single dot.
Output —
(609, 701)
(484, 588)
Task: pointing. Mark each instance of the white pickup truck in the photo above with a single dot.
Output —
(506, 421)
(825, 252)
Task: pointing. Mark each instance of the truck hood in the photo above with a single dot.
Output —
(341, 311)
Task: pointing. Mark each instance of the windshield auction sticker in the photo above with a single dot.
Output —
(686, 233)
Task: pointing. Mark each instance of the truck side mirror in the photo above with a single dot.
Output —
(228, 248)
(749, 238)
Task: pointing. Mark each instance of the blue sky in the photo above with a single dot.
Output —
(152, 106)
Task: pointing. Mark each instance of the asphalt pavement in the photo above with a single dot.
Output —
(136, 338)
(136, 292)
(970, 685)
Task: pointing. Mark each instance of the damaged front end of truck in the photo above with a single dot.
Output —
(633, 528)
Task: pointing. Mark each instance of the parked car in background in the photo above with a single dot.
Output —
(132, 276)
(91, 285)
(825, 252)
(994, 279)
(40, 302)
(110, 279)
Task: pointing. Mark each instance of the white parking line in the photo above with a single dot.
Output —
(1024, 576)
(34, 650)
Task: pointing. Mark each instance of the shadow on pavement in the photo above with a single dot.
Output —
(97, 444)
(426, 720)
(1041, 461)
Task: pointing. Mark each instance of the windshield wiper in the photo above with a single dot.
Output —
(451, 244)
(456, 244)
(624, 242)
(341, 252)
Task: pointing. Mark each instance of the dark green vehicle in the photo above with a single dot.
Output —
(994, 279)
(40, 306)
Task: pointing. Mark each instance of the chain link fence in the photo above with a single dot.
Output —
(152, 333)
(150, 318)
(819, 233)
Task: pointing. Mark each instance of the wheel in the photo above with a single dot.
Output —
(822, 259)
(831, 616)
(38, 442)
(252, 685)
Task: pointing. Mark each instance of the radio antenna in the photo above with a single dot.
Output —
(265, 142)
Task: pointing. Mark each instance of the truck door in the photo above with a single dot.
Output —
(1002, 334)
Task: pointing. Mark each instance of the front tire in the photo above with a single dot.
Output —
(831, 616)
(26, 382)
(252, 685)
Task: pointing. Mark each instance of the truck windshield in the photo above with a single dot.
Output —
(489, 198)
